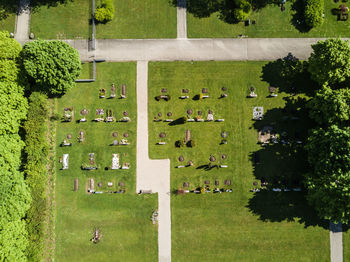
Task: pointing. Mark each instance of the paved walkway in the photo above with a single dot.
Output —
(202, 49)
(152, 174)
(336, 240)
(181, 19)
(22, 21)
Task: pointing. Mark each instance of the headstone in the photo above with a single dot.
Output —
(31, 36)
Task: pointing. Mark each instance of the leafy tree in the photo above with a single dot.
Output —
(330, 62)
(329, 183)
(314, 13)
(13, 241)
(9, 47)
(13, 107)
(8, 70)
(330, 106)
(53, 66)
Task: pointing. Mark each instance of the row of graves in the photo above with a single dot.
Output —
(217, 187)
(188, 141)
(185, 94)
(268, 135)
(213, 161)
(102, 115)
(91, 164)
(115, 141)
(110, 187)
(190, 117)
(112, 94)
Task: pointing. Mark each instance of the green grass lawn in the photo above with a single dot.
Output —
(124, 220)
(64, 21)
(238, 226)
(270, 22)
(140, 19)
(8, 23)
(346, 244)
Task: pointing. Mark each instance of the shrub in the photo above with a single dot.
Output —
(191, 143)
(313, 13)
(179, 143)
(9, 47)
(105, 11)
(36, 150)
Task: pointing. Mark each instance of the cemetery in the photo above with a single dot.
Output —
(97, 186)
(216, 177)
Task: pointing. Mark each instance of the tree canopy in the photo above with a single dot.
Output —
(13, 107)
(330, 62)
(330, 106)
(53, 66)
(9, 47)
(329, 183)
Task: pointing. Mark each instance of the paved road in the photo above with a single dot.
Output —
(336, 240)
(181, 19)
(22, 21)
(202, 49)
(152, 174)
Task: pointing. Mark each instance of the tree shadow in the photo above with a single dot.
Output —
(283, 165)
(290, 75)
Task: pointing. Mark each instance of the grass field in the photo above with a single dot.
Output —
(64, 21)
(140, 19)
(237, 226)
(8, 23)
(346, 244)
(270, 22)
(123, 219)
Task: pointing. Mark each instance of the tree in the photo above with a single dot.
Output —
(330, 62)
(329, 183)
(13, 241)
(13, 107)
(8, 70)
(53, 66)
(330, 106)
(9, 47)
(314, 12)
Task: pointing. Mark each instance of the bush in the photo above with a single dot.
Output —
(191, 143)
(36, 150)
(314, 12)
(105, 11)
(179, 143)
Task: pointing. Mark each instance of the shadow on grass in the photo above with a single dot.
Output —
(298, 18)
(179, 121)
(290, 75)
(283, 165)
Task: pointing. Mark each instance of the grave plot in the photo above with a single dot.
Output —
(96, 192)
(223, 151)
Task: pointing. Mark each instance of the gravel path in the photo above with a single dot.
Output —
(181, 19)
(336, 240)
(22, 21)
(152, 174)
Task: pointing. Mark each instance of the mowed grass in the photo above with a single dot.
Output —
(64, 21)
(140, 19)
(238, 226)
(270, 23)
(346, 244)
(124, 220)
(8, 23)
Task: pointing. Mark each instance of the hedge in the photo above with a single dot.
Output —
(36, 151)
(313, 14)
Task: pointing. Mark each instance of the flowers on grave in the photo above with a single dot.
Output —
(68, 114)
(202, 190)
(200, 96)
(102, 93)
